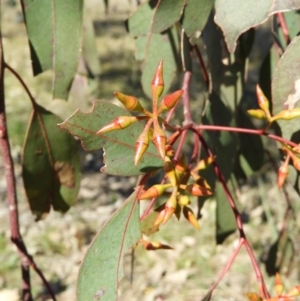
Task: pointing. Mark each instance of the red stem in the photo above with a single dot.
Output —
(264, 291)
(12, 202)
(203, 68)
(284, 28)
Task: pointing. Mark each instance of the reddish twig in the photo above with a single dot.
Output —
(203, 68)
(243, 239)
(284, 28)
(26, 260)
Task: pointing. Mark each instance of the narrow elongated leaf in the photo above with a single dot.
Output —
(196, 14)
(230, 15)
(89, 46)
(54, 31)
(51, 167)
(119, 145)
(225, 219)
(102, 268)
(168, 12)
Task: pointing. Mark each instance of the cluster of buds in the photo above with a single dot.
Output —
(264, 111)
(279, 288)
(179, 175)
(152, 131)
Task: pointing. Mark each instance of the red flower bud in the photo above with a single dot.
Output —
(142, 143)
(283, 172)
(157, 84)
(190, 216)
(170, 101)
(197, 190)
(154, 191)
(154, 245)
(119, 123)
(263, 102)
(130, 102)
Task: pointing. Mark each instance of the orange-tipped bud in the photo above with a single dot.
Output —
(287, 114)
(253, 297)
(263, 102)
(190, 216)
(184, 200)
(155, 245)
(296, 162)
(203, 183)
(119, 123)
(159, 139)
(278, 285)
(283, 172)
(142, 143)
(294, 292)
(157, 84)
(170, 101)
(171, 139)
(130, 102)
(169, 169)
(258, 113)
(159, 219)
(204, 163)
(154, 191)
(197, 190)
(180, 168)
(170, 206)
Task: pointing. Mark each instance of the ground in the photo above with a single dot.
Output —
(59, 242)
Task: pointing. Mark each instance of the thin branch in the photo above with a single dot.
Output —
(284, 28)
(26, 260)
(264, 291)
(203, 69)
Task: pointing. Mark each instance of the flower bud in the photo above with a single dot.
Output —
(160, 217)
(180, 168)
(130, 102)
(169, 151)
(263, 102)
(159, 139)
(169, 169)
(157, 84)
(287, 114)
(170, 101)
(294, 292)
(258, 113)
(170, 206)
(253, 297)
(282, 173)
(197, 190)
(119, 123)
(155, 245)
(154, 191)
(142, 143)
(190, 216)
(204, 163)
(278, 285)
(184, 200)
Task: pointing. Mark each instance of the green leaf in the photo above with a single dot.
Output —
(102, 268)
(168, 12)
(236, 17)
(280, 256)
(51, 167)
(54, 31)
(225, 220)
(196, 14)
(286, 86)
(119, 145)
(90, 53)
(159, 46)
(140, 22)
